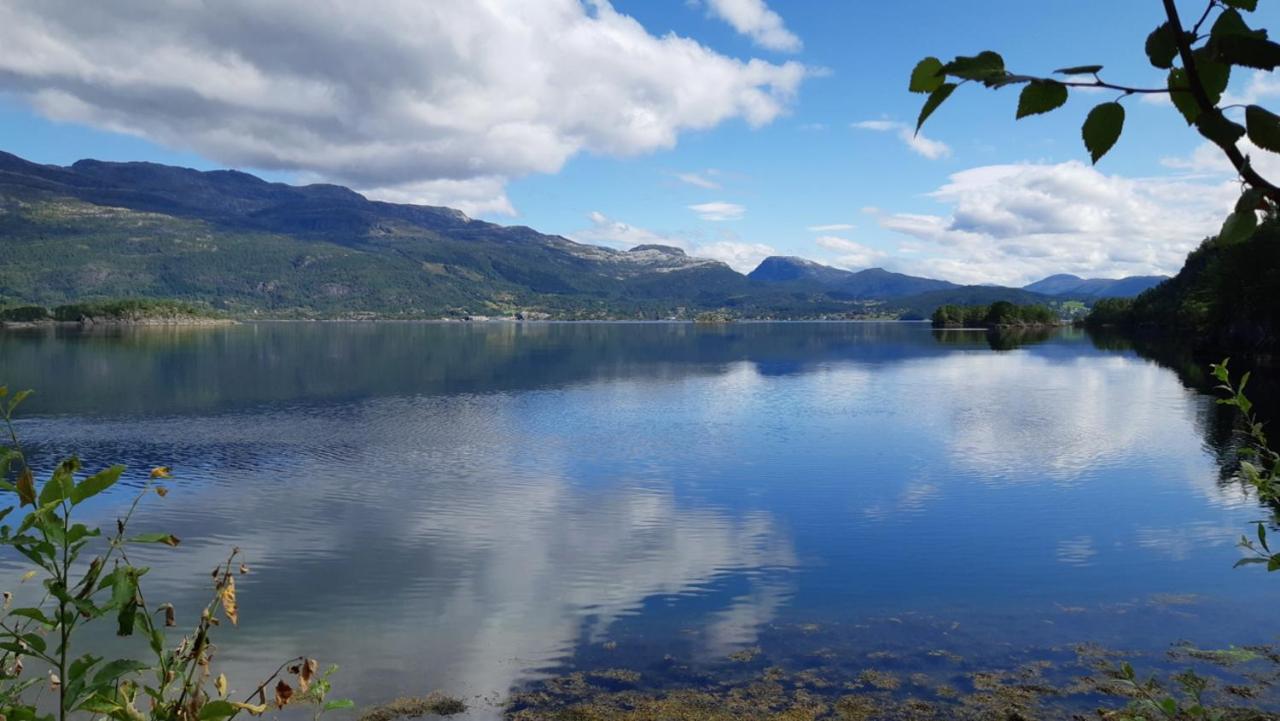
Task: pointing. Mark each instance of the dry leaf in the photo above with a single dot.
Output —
(243, 569)
(284, 692)
(221, 685)
(306, 673)
(160, 472)
(26, 487)
(54, 681)
(28, 576)
(255, 710)
(228, 595)
(169, 620)
(162, 491)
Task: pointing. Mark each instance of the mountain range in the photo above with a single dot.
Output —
(254, 248)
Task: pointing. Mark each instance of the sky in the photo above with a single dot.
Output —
(734, 129)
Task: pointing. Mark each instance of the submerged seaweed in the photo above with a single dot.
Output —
(796, 674)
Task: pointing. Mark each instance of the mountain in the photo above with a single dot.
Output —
(1065, 284)
(869, 284)
(233, 242)
(250, 247)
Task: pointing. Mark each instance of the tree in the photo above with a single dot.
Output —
(1199, 65)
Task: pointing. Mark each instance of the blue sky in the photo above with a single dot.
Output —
(732, 174)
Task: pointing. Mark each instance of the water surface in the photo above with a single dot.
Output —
(473, 506)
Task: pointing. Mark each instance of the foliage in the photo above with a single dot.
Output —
(1222, 299)
(1259, 464)
(177, 682)
(1151, 702)
(24, 314)
(1110, 311)
(1000, 313)
(130, 309)
(1199, 61)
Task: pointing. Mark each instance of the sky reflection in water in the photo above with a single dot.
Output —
(465, 506)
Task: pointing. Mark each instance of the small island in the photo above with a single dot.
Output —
(1001, 314)
(127, 311)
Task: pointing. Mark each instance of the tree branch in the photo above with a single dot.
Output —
(1232, 152)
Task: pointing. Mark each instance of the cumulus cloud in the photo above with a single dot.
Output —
(700, 180)
(830, 228)
(742, 257)
(754, 19)
(606, 231)
(719, 210)
(1262, 85)
(917, 142)
(1020, 222)
(851, 254)
(385, 95)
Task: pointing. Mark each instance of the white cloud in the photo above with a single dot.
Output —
(1208, 159)
(719, 210)
(742, 257)
(700, 180)
(851, 254)
(831, 228)
(754, 19)
(1017, 223)
(385, 94)
(473, 196)
(917, 142)
(1261, 86)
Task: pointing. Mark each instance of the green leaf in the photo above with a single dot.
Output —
(935, 99)
(1180, 94)
(1214, 76)
(114, 670)
(216, 710)
(927, 76)
(167, 539)
(1231, 23)
(1264, 127)
(124, 596)
(95, 484)
(339, 704)
(34, 614)
(1248, 5)
(1250, 199)
(1249, 51)
(1262, 535)
(1079, 70)
(1102, 129)
(1273, 563)
(1041, 96)
(18, 398)
(1161, 47)
(986, 66)
(1238, 227)
(1215, 126)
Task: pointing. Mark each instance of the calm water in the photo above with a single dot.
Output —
(468, 507)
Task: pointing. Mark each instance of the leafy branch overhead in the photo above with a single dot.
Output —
(1199, 60)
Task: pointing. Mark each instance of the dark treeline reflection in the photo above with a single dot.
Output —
(1001, 338)
(176, 370)
(1221, 423)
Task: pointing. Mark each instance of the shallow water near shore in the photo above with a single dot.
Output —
(491, 508)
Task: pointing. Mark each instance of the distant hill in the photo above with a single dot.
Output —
(250, 247)
(869, 284)
(1065, 284)
(235, 243)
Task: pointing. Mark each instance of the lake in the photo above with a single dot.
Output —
(482, 507)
